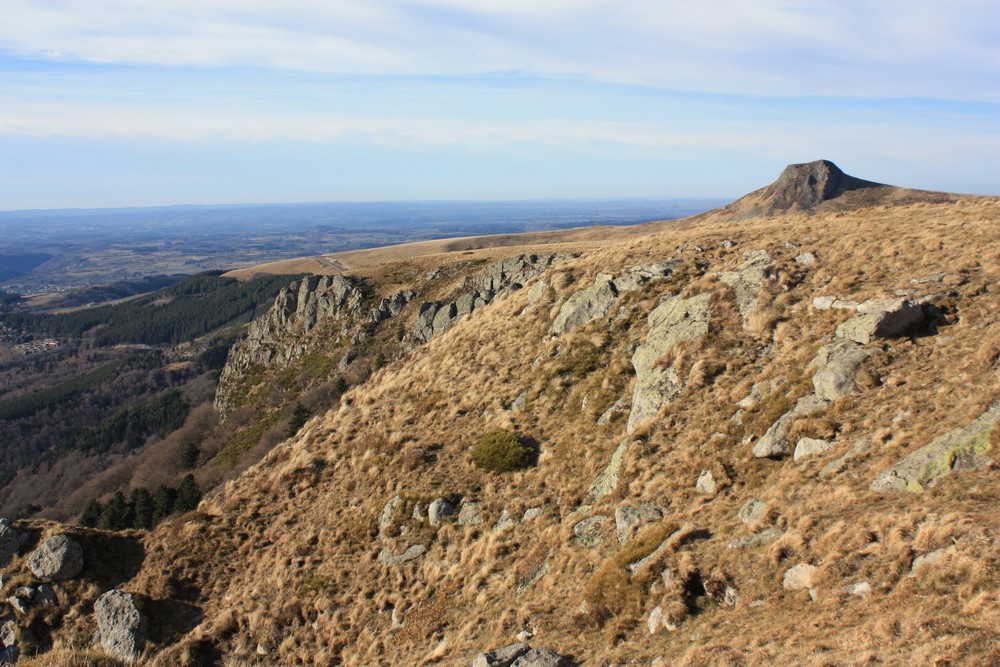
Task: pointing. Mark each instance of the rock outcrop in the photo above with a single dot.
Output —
(58, 558)
(774, 443)
(675, 320)
(882, 318)
(121, 626)
(748, 280)
(494, 280)
(962, 448)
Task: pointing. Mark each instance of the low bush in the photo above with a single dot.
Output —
(502, 451)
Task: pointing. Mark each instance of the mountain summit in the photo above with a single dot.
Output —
(815, 187)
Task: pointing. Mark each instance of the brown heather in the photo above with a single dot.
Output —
(280, 566)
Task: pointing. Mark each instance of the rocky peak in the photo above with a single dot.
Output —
(809, 184)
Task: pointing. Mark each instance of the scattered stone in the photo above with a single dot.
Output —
(658, 621)
(10, 541)
(531, 513)
(505, 521)
(759, 391)
(588, 531)
(928, 559)
(799, 577)
(501, 657)
(469, 515)
(388, 513)
(586, 305)
(882, 318)
(858, 449)
(774, 443)
(638, 276)
(807, 447)
(121, 625)
(608, 479)
(417, 514)
(58, 558)
(752, 511)
(730, 597)
(728, 244)
(412, 553)
(629, 517)
(706, 483)
(836, 365)
(617, 408)
(538, 574)
(673, 321)
(519, 402)
(9, 633)
(860, 589)
(656, 553)
(18, 603)
(756, 540)
(806, 259)
(823, 302)
(541, 657)
(438, 510)
(963, 447)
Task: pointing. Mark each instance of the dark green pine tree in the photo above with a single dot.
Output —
(188, 495)
(189, 455)
(299, 417)
(116, 513)
(142, 508)
(91, 516)
(163, 502)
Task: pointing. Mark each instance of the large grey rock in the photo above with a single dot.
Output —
(882, 318)
(799, 577)
(412, 553)
(836, 365)
(748, 280)
(964, 447)
(608, 479)
(807, 447)
(588, 531)
(638, 276)
(58, 558)
(10, 542)
(629, 517)
(586, 305)
(438, 510)
(121, 625)
(673, 321)
(541, 657)
(501, 657)
(774, 443)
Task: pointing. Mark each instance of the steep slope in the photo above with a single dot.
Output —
(756, 443)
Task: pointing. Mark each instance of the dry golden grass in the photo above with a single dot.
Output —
(285, 556)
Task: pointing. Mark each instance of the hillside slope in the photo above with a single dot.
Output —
(767, 441)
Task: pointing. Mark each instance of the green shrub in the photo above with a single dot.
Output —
(502, 451)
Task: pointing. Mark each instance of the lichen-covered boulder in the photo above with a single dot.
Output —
(58, 558)
(122, 627)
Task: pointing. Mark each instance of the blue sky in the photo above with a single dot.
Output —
(141, 102)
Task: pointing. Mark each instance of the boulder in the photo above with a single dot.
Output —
(807, 447)
(638, 276)
(658, 620)
(588, 531)
(505, 521)
(469, 515)
(10, 542)
(933, 558)
(774, 443)
(836, 365)
(882, 318)
(586, 305)
(629, 517)
(531, 513)
(706, 483)
(673, 321)
(60, 557)
(799, 577)
(859, 448)
(438, 510)
(122, 627)
(961, 448)
(608, 479)
(501, 657)
(9, 633)
(541, 657)
(805, 259)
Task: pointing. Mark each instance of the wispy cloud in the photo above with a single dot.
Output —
(772, 47)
